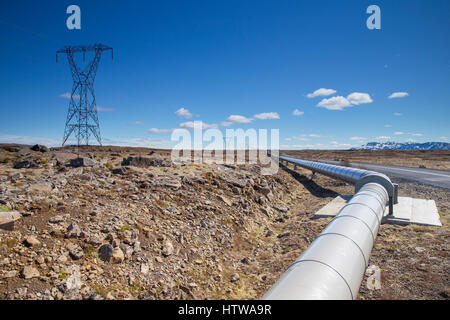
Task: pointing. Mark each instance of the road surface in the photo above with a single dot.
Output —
(439, 178)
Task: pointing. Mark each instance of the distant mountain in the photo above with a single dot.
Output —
(404, 146)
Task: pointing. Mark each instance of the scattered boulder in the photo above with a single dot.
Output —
(419, 249)
(11, 148)
(282, 209)
(25, 164)
(168, 183)
(154, 161)
(94, 240)
(261, 200)
(22, 292)
(56, 219)
(39, 148)
(241, 183)
(7, 219)
(63, 157)
(117, 255)
(236, 190)
(267, 211)
(226, 200)
(82, 162)
(73, 282)
(167, 249)
(62, 259)
(286, 234)
(144, 268)
(265, 190)
(29, 272)
(121, 170)
(10, 274)
(16, 177)
(234, 277)
(75, 251)
(73, 231)
(105, 252)
(31, 241)
(269, 233)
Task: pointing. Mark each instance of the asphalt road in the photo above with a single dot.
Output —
(439, 178)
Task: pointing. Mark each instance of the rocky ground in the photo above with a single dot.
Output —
(431, 159)
(126, 223)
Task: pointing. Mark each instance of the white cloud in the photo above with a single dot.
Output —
(398, 114)
(398, 95)
(398, 133)
(138, 142)
(357, 98)
(137, 123)
(226, 123)
(383, 138)
(5, 138)
(182, 112)
(313, 135)
(300, 138)
(67, 96)
(357, 138)
(297, 112)
(267, 116)
(443, 137)
(238, 119)
(156, 130)
(288, 139)
(388, 125)
(197, 125)
(98, 108)
(334, 142)
(306, 146)
(334, 103)
(340, 102)
(321, 92)
(417, 134)
(235, 118)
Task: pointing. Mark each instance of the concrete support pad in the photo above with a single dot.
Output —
(416, 211)
(406, 211)
(333, 207)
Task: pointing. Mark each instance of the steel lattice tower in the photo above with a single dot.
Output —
(82, 115)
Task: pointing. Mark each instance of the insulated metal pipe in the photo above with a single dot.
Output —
(333, 266)
(350, 175)
(358, 177)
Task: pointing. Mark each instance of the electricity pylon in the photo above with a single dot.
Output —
(82, 116)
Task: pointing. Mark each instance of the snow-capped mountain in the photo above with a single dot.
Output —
(404, 146)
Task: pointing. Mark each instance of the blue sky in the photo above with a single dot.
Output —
(233, 64)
